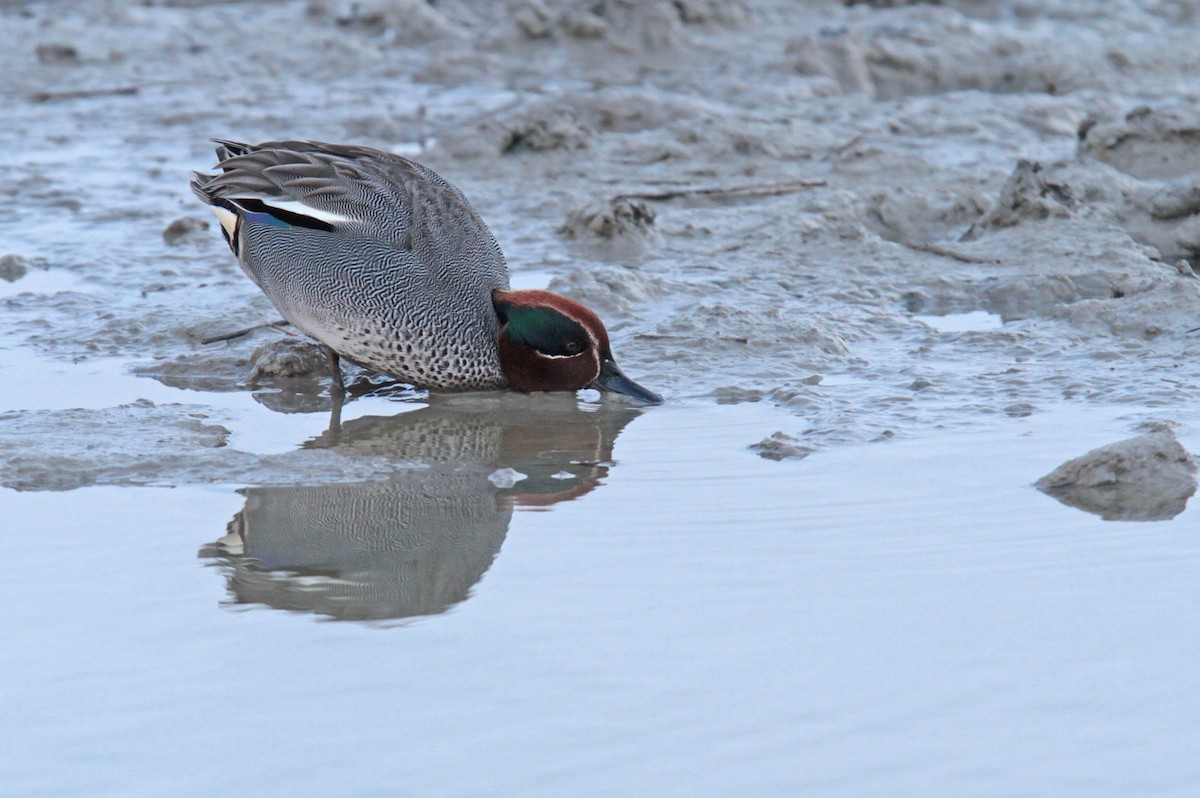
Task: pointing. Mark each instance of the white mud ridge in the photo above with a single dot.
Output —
(760, 198)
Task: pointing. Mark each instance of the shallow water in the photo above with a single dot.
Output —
(38, 282)
(963, 322)
(907, 618)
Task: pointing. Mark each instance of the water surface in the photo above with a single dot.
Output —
(906, 618)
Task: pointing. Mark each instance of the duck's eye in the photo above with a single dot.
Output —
(569, 347)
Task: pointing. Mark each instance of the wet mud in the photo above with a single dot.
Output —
(761, 200)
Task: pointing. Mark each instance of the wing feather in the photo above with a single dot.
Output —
(359, 193)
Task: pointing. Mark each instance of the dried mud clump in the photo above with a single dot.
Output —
(183, 229)
(541, 132)
(625, 225)
(636, 28)
(1147, 478)
(781, 446)
(533, 19)
(402, 21)
(625, 22)
(57, 54)
(13, 267)
(546, 126)
(287, 357)
(712, 12)
(1028, 194)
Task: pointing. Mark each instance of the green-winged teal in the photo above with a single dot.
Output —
(387, 264)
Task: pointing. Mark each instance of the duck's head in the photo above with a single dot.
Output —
(550, 343)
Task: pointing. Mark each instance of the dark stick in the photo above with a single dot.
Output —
(719, 192)
(81, 94)
(239, 333)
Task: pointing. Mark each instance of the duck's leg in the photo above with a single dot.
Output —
(335, 370)
(336, 400)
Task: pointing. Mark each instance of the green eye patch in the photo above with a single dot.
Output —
(544, 329)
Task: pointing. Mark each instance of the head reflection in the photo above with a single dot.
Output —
(415, 543)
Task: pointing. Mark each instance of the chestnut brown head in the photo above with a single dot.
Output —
(550, 343)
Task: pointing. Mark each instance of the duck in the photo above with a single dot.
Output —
(386, 264)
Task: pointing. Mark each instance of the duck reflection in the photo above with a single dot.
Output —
(415, 543)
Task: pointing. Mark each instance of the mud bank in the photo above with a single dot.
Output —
(760, 198)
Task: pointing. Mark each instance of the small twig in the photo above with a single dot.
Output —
(660, 182)
(841, 148)
(946, 252)
(81, 94)
(278, 325)
(719, 192)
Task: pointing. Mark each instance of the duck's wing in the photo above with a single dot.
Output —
(356, 192)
